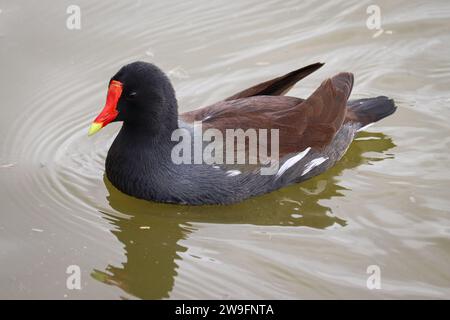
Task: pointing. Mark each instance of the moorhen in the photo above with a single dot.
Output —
(313, 134)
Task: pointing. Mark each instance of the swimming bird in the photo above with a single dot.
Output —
(312, 135)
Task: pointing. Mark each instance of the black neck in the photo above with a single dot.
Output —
(152, 130)
(145, 142)
(155, 121)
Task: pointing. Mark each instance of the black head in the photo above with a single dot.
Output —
(141, 96)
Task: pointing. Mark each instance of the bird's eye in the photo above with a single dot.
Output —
(132, 94)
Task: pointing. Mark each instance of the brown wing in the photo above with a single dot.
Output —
(275, 87)
(278, 86)
(301, 124)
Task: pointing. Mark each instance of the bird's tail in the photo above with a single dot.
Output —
(367, 111)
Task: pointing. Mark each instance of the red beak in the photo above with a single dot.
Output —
(109, 112)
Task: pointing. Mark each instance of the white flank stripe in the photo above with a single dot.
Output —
(232, 173)
(314, 163)
(365, 127)
(291, 161)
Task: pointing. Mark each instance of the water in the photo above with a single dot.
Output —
(386, 203)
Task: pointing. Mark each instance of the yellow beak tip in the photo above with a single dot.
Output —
(94, 128)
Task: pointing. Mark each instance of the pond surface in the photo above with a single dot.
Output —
(387, 203)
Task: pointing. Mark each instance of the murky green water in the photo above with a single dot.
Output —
(386, 203)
